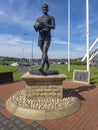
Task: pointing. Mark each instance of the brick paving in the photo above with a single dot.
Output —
(86, 118)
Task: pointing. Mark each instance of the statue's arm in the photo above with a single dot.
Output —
(35, 26)
(52, 25)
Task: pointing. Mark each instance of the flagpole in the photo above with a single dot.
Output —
(68, 35)
(87, 32)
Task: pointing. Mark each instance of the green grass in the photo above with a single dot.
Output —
(61, 68)
(17, 76)
(8, 68)
(94, 75)
(64, 69)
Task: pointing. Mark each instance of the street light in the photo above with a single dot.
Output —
(32, 48)
(23, 53)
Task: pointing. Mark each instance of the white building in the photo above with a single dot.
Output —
(93, 53)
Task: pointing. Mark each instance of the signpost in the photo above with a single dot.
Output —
(81, 76)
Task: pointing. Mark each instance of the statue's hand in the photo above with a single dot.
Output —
(39, 26)
(45, 27)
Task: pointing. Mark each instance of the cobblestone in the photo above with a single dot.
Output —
(1, 103)
(16, 123)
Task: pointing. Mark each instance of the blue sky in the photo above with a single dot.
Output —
(17, 18)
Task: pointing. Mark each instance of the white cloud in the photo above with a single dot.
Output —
(78, 46)
(20, 20)
(73, 46)
(19, 16)
(12, 40)
(57, 54)
(2, 14)
(11, 45)
(59, 42)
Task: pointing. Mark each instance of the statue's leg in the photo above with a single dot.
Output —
(41, 64)
(47, 63)
(44, 54)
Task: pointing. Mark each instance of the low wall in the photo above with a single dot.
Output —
(6, 77)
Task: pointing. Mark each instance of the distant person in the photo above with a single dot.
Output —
(43, 25)
(94, 63)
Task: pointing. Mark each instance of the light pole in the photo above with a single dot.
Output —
(23, 54)
(32, 51)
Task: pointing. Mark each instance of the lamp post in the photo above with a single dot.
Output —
(32, 49)
(23, 54)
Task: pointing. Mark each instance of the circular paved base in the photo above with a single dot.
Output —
(41, 108)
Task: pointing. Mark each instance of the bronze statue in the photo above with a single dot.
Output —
(43, 25)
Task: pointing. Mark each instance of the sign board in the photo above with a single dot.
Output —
(81, 76)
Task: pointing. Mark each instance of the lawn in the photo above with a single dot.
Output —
(8, 68)
(64, 69)
(61, 68)
(17, 76)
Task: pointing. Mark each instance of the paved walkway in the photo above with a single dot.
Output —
(86, 118)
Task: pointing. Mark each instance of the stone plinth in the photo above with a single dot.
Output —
(43, 86)
(42, 99)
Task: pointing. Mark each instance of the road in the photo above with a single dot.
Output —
(23, 69)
